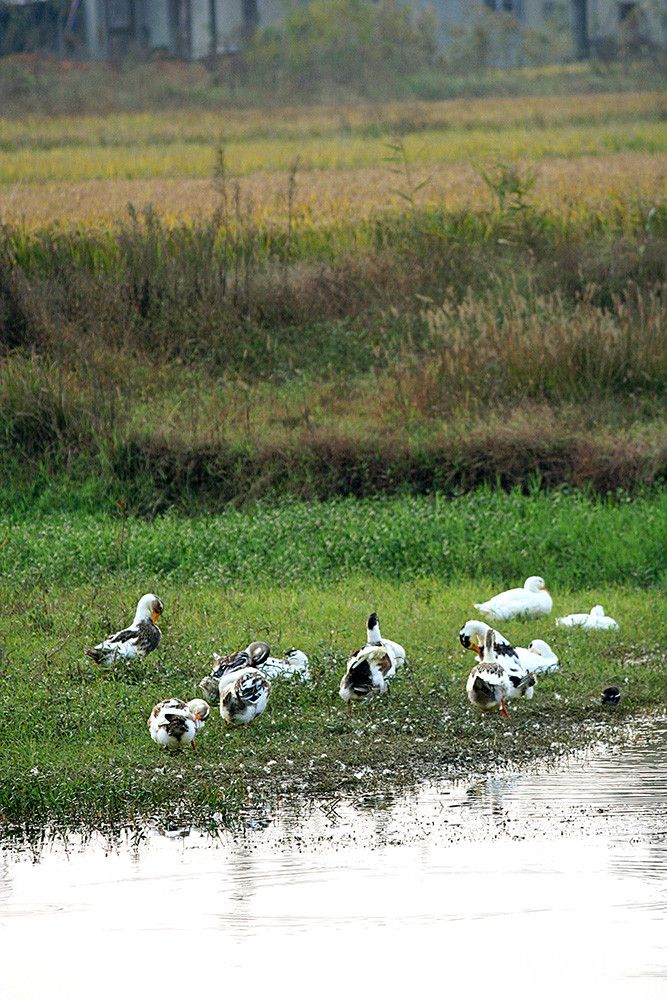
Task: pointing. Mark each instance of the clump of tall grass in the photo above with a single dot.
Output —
(486, 348)
(22, 315)
(192, 361)
(40, 412)
(216, 289)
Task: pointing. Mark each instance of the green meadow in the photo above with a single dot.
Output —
(488, 536)
(75, 745)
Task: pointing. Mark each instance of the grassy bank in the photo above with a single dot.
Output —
(490, 537)
(74, 741)
(38, 85)
(76, 750)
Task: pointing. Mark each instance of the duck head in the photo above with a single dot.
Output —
(199, 708)
(149, 608)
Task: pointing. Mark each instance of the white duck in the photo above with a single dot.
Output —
(533, 599)
(368, 669)
(243, 695)
(174, 723)
(141, 638)
(539, 657)
(597, 619)
(473, 634)
(293, 664)
(200, 710)
(489, 682)
(521, 674)
(374, 636)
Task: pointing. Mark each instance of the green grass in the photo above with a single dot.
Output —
(73, 736)
(492, 537)
(76, 749)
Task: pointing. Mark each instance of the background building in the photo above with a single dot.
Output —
(197, 29)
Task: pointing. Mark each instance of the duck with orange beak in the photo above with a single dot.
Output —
(174, 723)
(531, 600)
(142, 637)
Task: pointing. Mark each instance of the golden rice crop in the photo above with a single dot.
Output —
(566, 187)
(341, 152)
(232, 125)
(589, 152)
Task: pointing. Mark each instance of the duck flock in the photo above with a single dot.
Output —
(240, 682)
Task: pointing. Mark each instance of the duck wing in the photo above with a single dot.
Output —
(230, 664)
(250, 687)
(137, 640)
(368, 668)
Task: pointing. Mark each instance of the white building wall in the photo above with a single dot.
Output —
(200, 29)
(270, 12)
(156, 20)
(229, 24)
(95, 33)
(605, 19)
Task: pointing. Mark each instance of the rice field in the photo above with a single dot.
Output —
(622, 184)
(590, 154)
(389, 118)
(342, 152)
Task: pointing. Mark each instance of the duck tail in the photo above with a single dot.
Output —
(482, 688)
(359, 678)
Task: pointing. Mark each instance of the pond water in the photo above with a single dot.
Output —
(525, 884)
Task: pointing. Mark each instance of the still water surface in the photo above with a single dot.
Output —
(532, 884)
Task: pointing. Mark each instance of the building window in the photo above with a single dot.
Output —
(625, 11)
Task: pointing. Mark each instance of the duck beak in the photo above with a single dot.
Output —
(155, 615)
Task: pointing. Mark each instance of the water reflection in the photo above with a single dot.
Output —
(539, 882)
